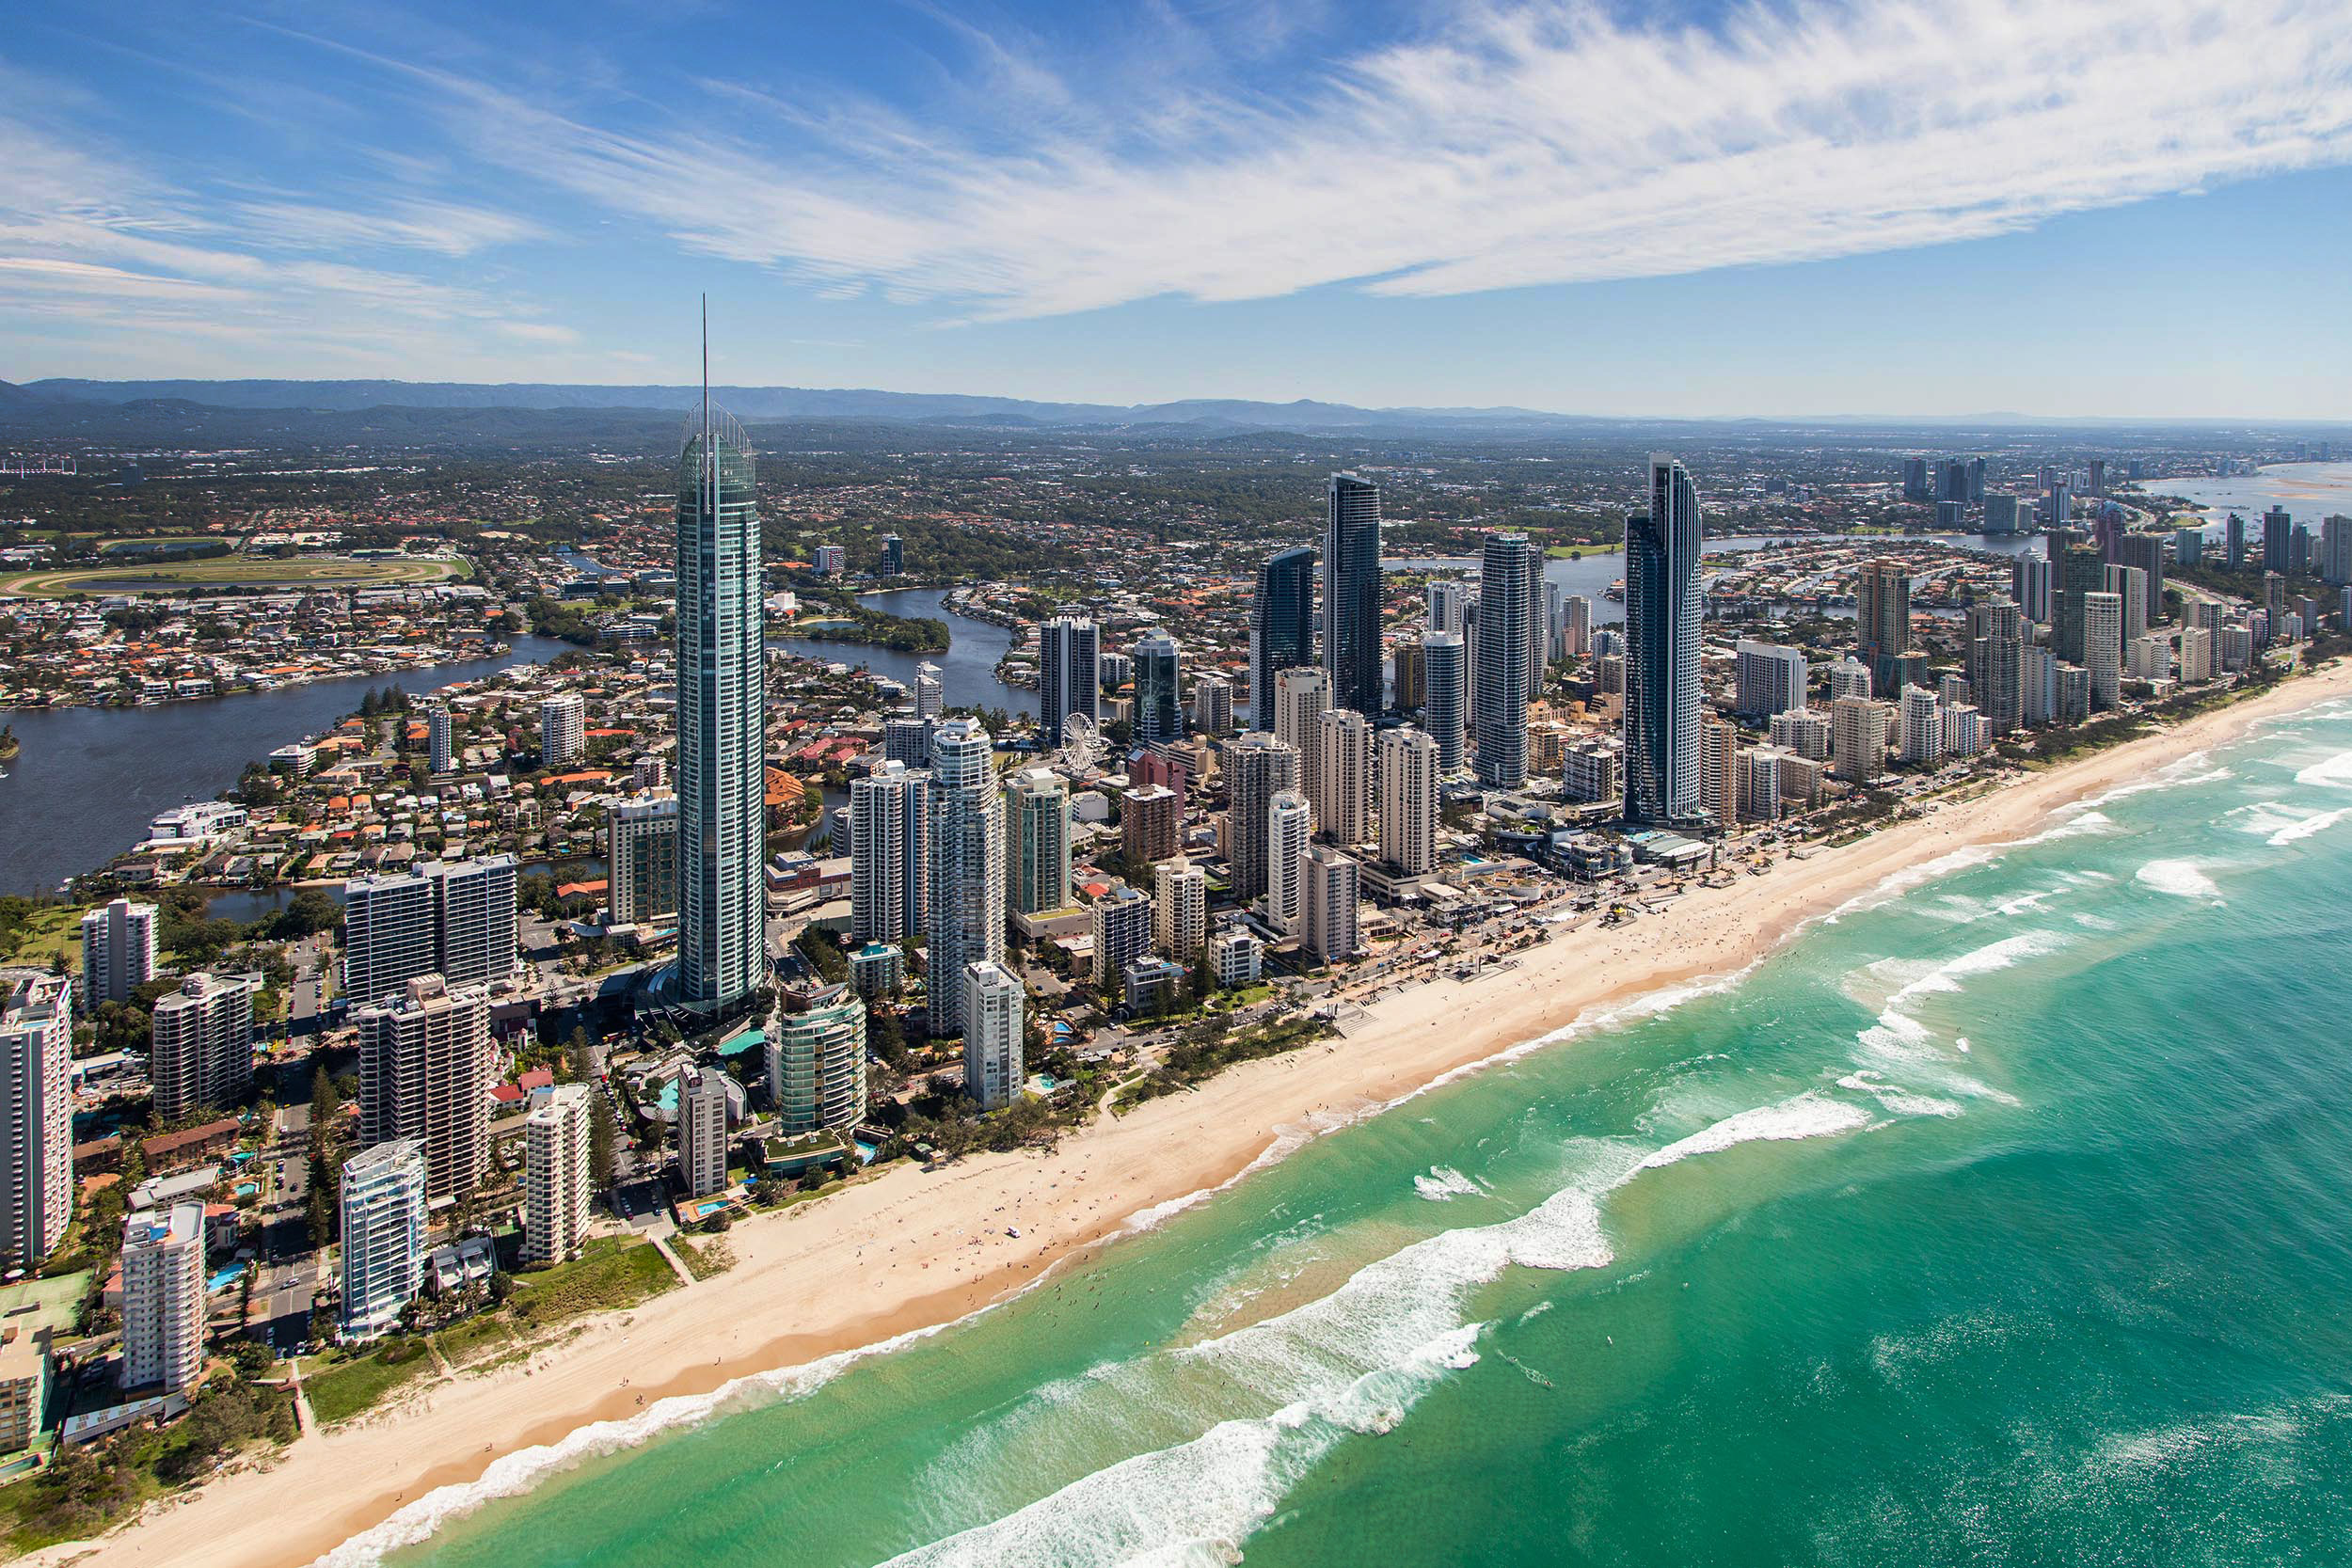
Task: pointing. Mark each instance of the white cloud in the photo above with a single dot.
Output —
(443, 228)
(1524, 144)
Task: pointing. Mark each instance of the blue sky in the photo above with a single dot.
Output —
(2102, 207)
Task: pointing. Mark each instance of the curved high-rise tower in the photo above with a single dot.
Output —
(722, 713)
(1663, 605)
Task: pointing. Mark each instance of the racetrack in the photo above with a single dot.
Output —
(169, 576)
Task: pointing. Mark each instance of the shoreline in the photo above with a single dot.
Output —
(683, 1355)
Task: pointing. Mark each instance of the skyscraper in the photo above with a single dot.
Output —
(1408, 801)
(1662, 606)
(2078, 570)
(965, 890)
(1769, 679)
(1159, 706)
(1122, 921)
(119, 952)
(1444, 663)
(424, 1075)
(1883, 616)
(702, 1130)
(1449, 604)
(438, 740)
(202, 1052)
(887, 811)
(641, 857)
(1212, 704)
(1281, 625)
(2278, 541)
(1070, 679)
(893, 555)
(1258, 766)
(1996, 655)
(1343, 800)
(383, 1236)
(1180, 909)
(1328, 895)
(1510, 579)
(722, 715)
(1409, 687)
(1301, 698)
(1036, 840)
(816, 1068)
(555, 1175)
(2103, 646)
(994, 1043)
(1351, 593)
(1288, 830)
(163, 1298)
(36, 1116)
(563, 729)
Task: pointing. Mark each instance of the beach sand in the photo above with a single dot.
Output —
(913, 1249)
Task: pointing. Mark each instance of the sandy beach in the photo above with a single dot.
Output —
(913, 1249)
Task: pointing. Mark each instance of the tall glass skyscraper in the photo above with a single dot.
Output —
(1281, 625)
(721, 714)
(1351, 594)
(1159, 709)
(1069, 676)
(1508, 574)
(1447, 675)
(1663, 605)
(966, 922)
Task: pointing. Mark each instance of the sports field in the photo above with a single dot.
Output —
(170, 576)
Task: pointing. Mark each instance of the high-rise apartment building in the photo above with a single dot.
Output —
(994, 1043)
(1883, 616)
(384, 1197)
(440, 740)
(1069, 676)
(1351, 593)
(1301, 698)
(1769, 679)
(1447, 601)
(1995, 651)
(816, 1068)
(1408, 801)
(2130, 584)
(704, 1102)
(1919, 725)
(1212, 704)
(2103, 648)
(1719, 793)
(1509, 589)
(1122, 919)
(2077, 570)
(964, 923)
(2278, 541)
(1662, 608)
(163, 1298)
(1329, 895)
(1159, 703)
(119, 952)
(1258, 766)
(1151, 823)
(454, 920)
(200, 1054)
(1444, 711)
(1180, 909)
(563, 729)
(641, 857)
(1858, 739)
(1036, 842)
(1342, 778)
(36, 1116)
(887, 812)
(1804, 733)
(1281, 625)
(424, 1075)
(721, 717)
(1289, 828)
(555, 1175)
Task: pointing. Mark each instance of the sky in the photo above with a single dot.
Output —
(2126, 208)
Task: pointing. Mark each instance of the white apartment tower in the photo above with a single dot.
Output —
(201, 1050)
(563, 729)
(886, 809)
(383, 1236)
(1342, 776)
(1180, 909)
(1289, 828)
(702, 1131)
(641, 857)
(1408, 801)
(1301, 698)
(1330, 883)
(555, 1175)
(36, 1117)
(163, 1298)
(992, 1040)
(119, 952)
(817, 1067)
(964, 923)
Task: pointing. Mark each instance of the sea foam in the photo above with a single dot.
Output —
(2181, 878)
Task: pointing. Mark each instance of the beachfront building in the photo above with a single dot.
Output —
(1122, 919)
(382, 1237)
(2103, 648)
(703, 1106)
(640, 859)
(200, 1048)
(36, 1116)
(425, 1065)
(1408, 801)
(1289, 828)
(555, 1174)
(964, 923)
(1330, 884)
(119, 952)
(1509, 624)
(163, 1298)
(1235, 956)
(1258, 766)
(1858, 739)
(993, 1038)
(817, 1067)
(722, 719)
(1664, 603)
(1919, 726)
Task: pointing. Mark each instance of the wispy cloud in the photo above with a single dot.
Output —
(444, 227)
(1524, 143)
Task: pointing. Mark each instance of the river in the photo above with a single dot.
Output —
(2311, 492)
(88, 780)
(967, 670)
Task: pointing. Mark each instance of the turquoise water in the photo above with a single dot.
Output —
(2000, 1220)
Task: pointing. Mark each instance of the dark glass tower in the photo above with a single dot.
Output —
(1351, 593)
(1511, 566)
(1281, 625)
(721, 714)
(1663, 605)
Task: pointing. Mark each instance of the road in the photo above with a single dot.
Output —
(286, 1282)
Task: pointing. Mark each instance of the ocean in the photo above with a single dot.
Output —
(2000, 1218)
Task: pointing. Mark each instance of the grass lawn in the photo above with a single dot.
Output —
(45, 934)
(1565, 552)
(614, 1272)
(474, 1338)
(343, 1389)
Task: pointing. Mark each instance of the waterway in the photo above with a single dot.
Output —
(2309, 492)
(88, 780)
(967, 670)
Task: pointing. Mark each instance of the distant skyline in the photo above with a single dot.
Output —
(2118, 208)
